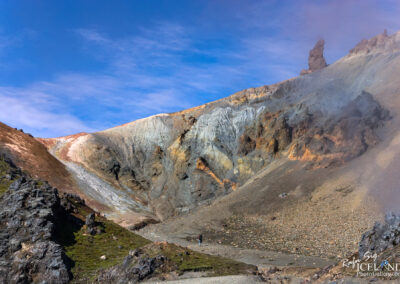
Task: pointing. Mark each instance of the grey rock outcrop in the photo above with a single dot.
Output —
(90, 224)
(316, 60)
(134, 268)
(92, 227)
(382, 236)
(29, 214)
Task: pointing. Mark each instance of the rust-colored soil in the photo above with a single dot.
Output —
(32, 156)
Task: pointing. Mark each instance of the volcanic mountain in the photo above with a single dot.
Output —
(306, 165)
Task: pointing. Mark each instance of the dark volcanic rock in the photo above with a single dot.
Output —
(381, 236)
(70, 201)
(316, 58)
(90, 224)
(134, 268)
(92, 227)
(29, 214)
(12, 171)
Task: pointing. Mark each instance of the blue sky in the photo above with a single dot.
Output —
(72, 66)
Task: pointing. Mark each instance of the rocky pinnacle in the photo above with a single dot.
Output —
(316, 58)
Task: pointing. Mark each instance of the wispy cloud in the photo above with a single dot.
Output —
(138, 82)
(52, 108)
(162, 57)
(32, 113)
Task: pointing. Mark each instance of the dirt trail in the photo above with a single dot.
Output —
(236, 279)
(260, 258)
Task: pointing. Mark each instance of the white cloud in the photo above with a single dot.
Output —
(31, 115)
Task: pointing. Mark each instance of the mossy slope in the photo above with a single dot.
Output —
(115, 243)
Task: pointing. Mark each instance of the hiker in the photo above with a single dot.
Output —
(200, 239)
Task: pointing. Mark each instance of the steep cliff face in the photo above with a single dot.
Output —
(170, 163)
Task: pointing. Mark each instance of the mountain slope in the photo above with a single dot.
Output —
(314, 207)
(31, 156)
(170, 163)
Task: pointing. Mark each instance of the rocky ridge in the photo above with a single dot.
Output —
(380, 43)
(186, 162)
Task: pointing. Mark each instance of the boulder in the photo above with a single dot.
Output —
(134, 268)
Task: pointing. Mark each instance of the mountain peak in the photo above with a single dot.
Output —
(379, 43)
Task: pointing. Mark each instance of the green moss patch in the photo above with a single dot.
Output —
(4, 183)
